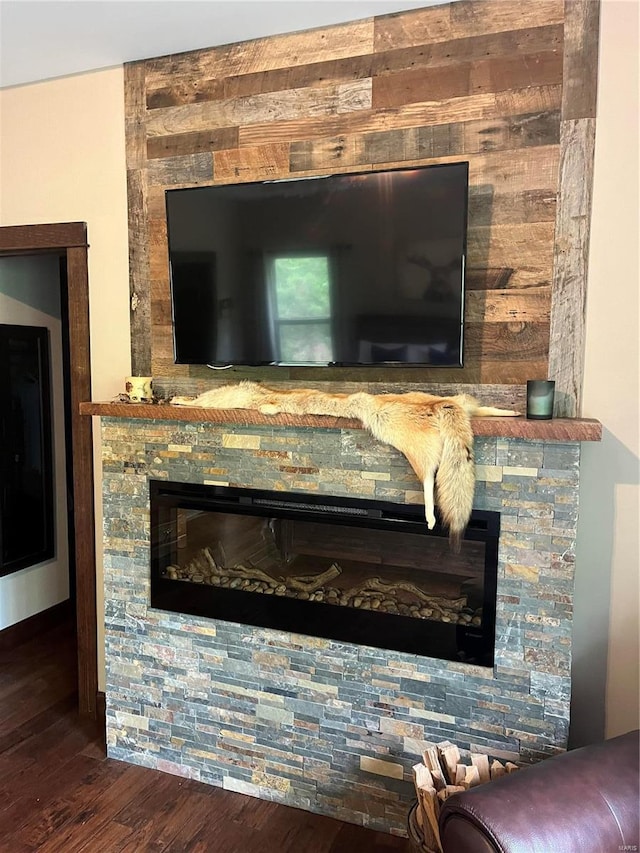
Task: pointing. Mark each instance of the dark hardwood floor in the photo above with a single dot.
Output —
(60, 794)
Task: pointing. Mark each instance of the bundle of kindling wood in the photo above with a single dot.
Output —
(442, 773)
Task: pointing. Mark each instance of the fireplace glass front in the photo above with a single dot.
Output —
(346, 569)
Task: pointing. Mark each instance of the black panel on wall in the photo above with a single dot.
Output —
(26, 457)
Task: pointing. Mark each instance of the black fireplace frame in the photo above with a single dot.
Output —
(467, 644)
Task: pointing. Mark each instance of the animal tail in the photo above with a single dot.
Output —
(455, 477)
(492, 412)
(243, 395)
(473, 408)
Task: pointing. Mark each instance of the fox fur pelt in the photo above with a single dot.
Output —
(434, 433)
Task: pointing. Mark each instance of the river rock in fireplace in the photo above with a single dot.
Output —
(373, 593)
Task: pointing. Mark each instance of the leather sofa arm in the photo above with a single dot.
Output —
(583, 800)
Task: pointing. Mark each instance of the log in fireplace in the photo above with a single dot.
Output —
(353, 570)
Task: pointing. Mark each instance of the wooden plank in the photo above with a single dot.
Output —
(488, 278)
(489, 45)
(158, 255)
(463, 138)
(515, 131)
(186, 90)
(171, 375)
(140, 310)
(461, 20)
(159, 147)
(571, 257)
(265, 162)
(196, 89)
(421, 84)
(184, 170)
(160, 286)
(563, 429)
(314, 74)
(512, 372)
(543, 68)
(19, 239)
(487, 207)
(558, 429)
(156, 204)
(582, 27)
(163, 341)
(500, 306)
(335, 152)
(474, 375)
(278, 106)
(134, 94)
(161, 317)
(513, 246)
(82, 472)
(414, 143)
(162, 353)
(472, 108)
(134, 113)
(512, 342)
(467, 78)
(539, 275)
(418, 143)
(264, 54)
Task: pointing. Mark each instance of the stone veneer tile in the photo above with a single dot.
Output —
(303, 720)
(489, 473)
(381, 768)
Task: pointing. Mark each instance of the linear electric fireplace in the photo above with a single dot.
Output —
(354, 570)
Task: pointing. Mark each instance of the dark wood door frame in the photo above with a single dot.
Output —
(69, 239)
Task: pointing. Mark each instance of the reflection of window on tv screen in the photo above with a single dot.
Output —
(346, 269)
(300, 305)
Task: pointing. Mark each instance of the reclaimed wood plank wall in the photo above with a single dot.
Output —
(508, 86)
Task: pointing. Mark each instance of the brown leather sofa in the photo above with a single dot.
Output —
(583, 801)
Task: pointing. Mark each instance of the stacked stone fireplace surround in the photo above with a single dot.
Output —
(326, 726)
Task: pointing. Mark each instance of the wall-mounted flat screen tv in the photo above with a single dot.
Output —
(350, 269)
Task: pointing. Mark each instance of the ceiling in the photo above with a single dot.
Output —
(42, 39)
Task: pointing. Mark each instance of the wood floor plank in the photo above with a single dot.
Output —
(111, 839)
(85, 779)
(180, 821)
(93, 817)
(13, 736)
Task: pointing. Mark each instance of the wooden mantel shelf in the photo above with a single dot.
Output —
(558, 429)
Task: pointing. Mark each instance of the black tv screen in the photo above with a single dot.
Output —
(351, 269)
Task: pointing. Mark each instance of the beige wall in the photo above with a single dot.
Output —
(62, 158)
(607, 593)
